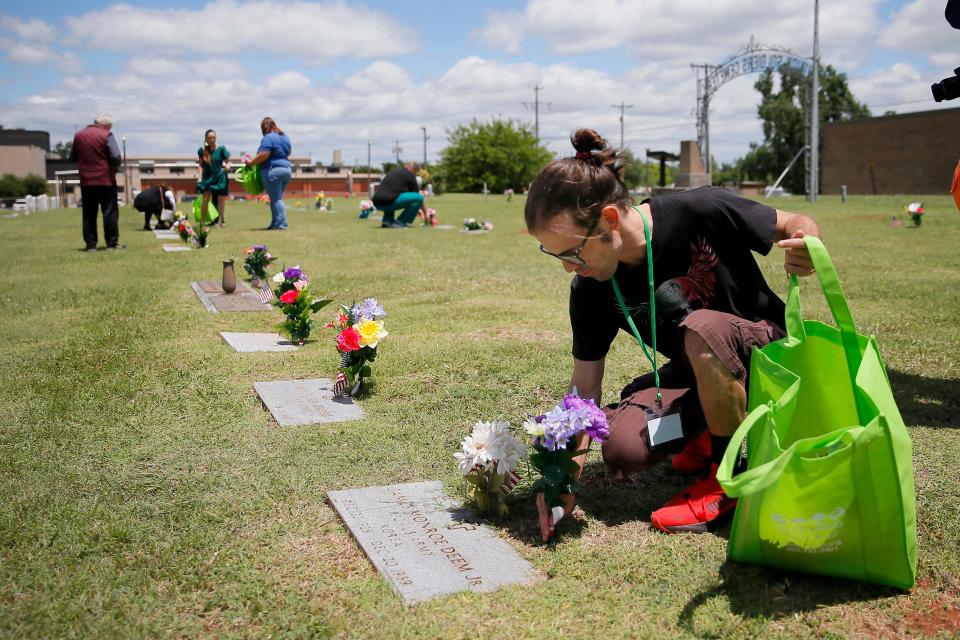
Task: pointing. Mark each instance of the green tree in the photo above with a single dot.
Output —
(63, 149)
(34, 185)
(504, 154)
(10, 186)
(783, 112)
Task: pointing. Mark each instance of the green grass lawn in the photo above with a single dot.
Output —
(145, 492)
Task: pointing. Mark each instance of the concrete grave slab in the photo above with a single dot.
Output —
(216, 286)
(300, 402)
(166, 234)
(249, 342)
(215, 300)
(173, 248)
(445, 227)
(426, 544)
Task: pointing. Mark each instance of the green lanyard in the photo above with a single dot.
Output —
(653, 311)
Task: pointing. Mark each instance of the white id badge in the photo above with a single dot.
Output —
(663, 427)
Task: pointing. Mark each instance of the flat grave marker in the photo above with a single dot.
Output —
(250, 342)
(444, 226)
(173, 248)
(301, 402)
(426, 544)
(215, 300)
(166, 234)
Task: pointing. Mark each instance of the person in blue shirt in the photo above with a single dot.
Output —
(273, 155)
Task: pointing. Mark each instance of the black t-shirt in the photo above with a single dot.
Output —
(702, 243)
(397, 181)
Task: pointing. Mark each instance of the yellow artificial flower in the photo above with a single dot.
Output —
(371, 332)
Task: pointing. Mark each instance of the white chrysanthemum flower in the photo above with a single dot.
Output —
(278, 278)
(490, 442)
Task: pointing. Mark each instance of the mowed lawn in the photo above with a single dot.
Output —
(145, 492)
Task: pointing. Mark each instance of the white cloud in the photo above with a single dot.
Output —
(287, 83)
(921, 27)
(38, 54)
(28, 42)
(316, 32)
(36, 31)
(699, 31)
(380, 77)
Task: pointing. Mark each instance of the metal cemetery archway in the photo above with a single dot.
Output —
(751, 58)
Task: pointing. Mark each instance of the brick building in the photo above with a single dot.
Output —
(910, 153)
(181, 174)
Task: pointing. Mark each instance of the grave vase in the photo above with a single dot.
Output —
(229, 283)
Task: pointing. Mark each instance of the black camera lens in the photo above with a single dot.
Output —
(948, 88)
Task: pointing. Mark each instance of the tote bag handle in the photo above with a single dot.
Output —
(836, 301)
(761, 477)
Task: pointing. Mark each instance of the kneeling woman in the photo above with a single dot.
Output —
(676, 272)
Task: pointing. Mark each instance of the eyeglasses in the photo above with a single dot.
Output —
(573, 256)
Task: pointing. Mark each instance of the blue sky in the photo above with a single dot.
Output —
(337, 74)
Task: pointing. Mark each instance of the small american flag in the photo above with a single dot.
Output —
(510, 482)
(344, 359)
(340, 385)
(265, 295)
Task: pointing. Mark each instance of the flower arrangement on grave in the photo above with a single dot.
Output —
(915, 209)
(184, 230)
(292, 296)
(257, 259)
(555, 435)
(488, 460)
(366, 208)
(200, 237)
(360, 330)
(430, 218)
(472, 224)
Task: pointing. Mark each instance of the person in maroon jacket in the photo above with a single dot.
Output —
(96, 152)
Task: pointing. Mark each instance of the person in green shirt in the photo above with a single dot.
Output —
(214, 164)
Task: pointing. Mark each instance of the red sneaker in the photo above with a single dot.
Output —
(695, 457)
(694, 509)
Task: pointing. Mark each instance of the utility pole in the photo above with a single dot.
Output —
(815, 109)
(622, 108)
(397, 149)
(369, 147)
(425, 138)
(536, 110)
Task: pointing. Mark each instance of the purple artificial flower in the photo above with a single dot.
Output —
(587, 416)
(259, 247)
(367, 309)
(294, 273)
(558, 429)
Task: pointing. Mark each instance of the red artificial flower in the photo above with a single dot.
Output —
(289, 297)
(348, 340)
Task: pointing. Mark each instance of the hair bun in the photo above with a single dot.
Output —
(587, 140)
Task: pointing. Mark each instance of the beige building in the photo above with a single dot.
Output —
(23, 152)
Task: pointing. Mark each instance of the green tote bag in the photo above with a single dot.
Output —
(828, 487)
(212, 213)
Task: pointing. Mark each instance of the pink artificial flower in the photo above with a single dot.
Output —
(289, 297)
(348, 340)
